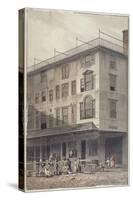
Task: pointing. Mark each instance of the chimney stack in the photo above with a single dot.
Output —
(125, 41)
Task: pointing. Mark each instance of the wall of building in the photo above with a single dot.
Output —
(120, 94)
(54, 77)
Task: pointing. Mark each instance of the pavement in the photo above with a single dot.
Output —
(110, 177)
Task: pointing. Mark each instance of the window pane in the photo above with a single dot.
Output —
(43, 121)
(88, 81)
(57, 116)
(112, 82)
(57, 92)
(82, 86)
(113, 113)
(43, 95)
(50, 95)
(65, 71)
(65, 90)
(65, 115)
(73, 87)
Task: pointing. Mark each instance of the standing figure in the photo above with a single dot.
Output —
(113, 161)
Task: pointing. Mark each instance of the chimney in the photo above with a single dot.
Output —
(125, 41)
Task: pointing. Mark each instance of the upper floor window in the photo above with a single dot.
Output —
(51, 121)
(82, 85)
(57, 116)
(88, 77)
(65, 115)
(43, 95)
(43, 76)
(73, 111)
(65, 71)
(43, 121)
(36, 98)
(73, 87)
(113, 111)
(112, 82)
(87, 108)
(50, 95)
(30, 118)
(37, 119)
(88, 60)
(57, 91)
(112, 62)
(65, 90)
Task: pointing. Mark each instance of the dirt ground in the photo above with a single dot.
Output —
(108, 177)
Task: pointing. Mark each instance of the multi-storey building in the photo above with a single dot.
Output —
(78, 103)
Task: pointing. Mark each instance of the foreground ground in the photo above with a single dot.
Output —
(108, 177)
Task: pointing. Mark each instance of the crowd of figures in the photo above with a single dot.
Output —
(55, 166)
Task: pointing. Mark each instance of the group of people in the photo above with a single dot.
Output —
(57, 167)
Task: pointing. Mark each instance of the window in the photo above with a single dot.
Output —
(51, 120)
(65, 115)
(65, 71)
(57, 91)
(65, 90)
(113, 113)
(50, 95)
(43, 76)
(31, 114)
(37, 119)
(93, 147)
(36, 98)
(82, 85)
(113, 62)
(88, 78)
(73, 111)
(73, 87)
(43, 121)
(57, 116)
(88, 60)
(87, 108)
(112, 82)
(43, 95)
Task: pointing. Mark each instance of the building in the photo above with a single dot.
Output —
(78, 103)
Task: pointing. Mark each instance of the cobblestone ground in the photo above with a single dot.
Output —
(108, 177)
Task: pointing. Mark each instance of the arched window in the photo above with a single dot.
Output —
(87, 108)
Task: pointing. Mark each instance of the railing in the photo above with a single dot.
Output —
(91, 44)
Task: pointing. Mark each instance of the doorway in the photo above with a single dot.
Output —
(83, 149)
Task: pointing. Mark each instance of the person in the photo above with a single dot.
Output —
(108, 162)
(69, 165)
(78, 166)
(113, 161)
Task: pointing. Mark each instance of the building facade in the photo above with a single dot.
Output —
(78, 104)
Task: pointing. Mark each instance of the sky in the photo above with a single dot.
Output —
(49, 29)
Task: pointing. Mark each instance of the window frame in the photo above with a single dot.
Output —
(113, 108)
(65, 90)
(37, 98)
(57, 92)
(65, 71)
(112, 82)
(73, 87)
(51, 95)
(65, 116)
(87, 108)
